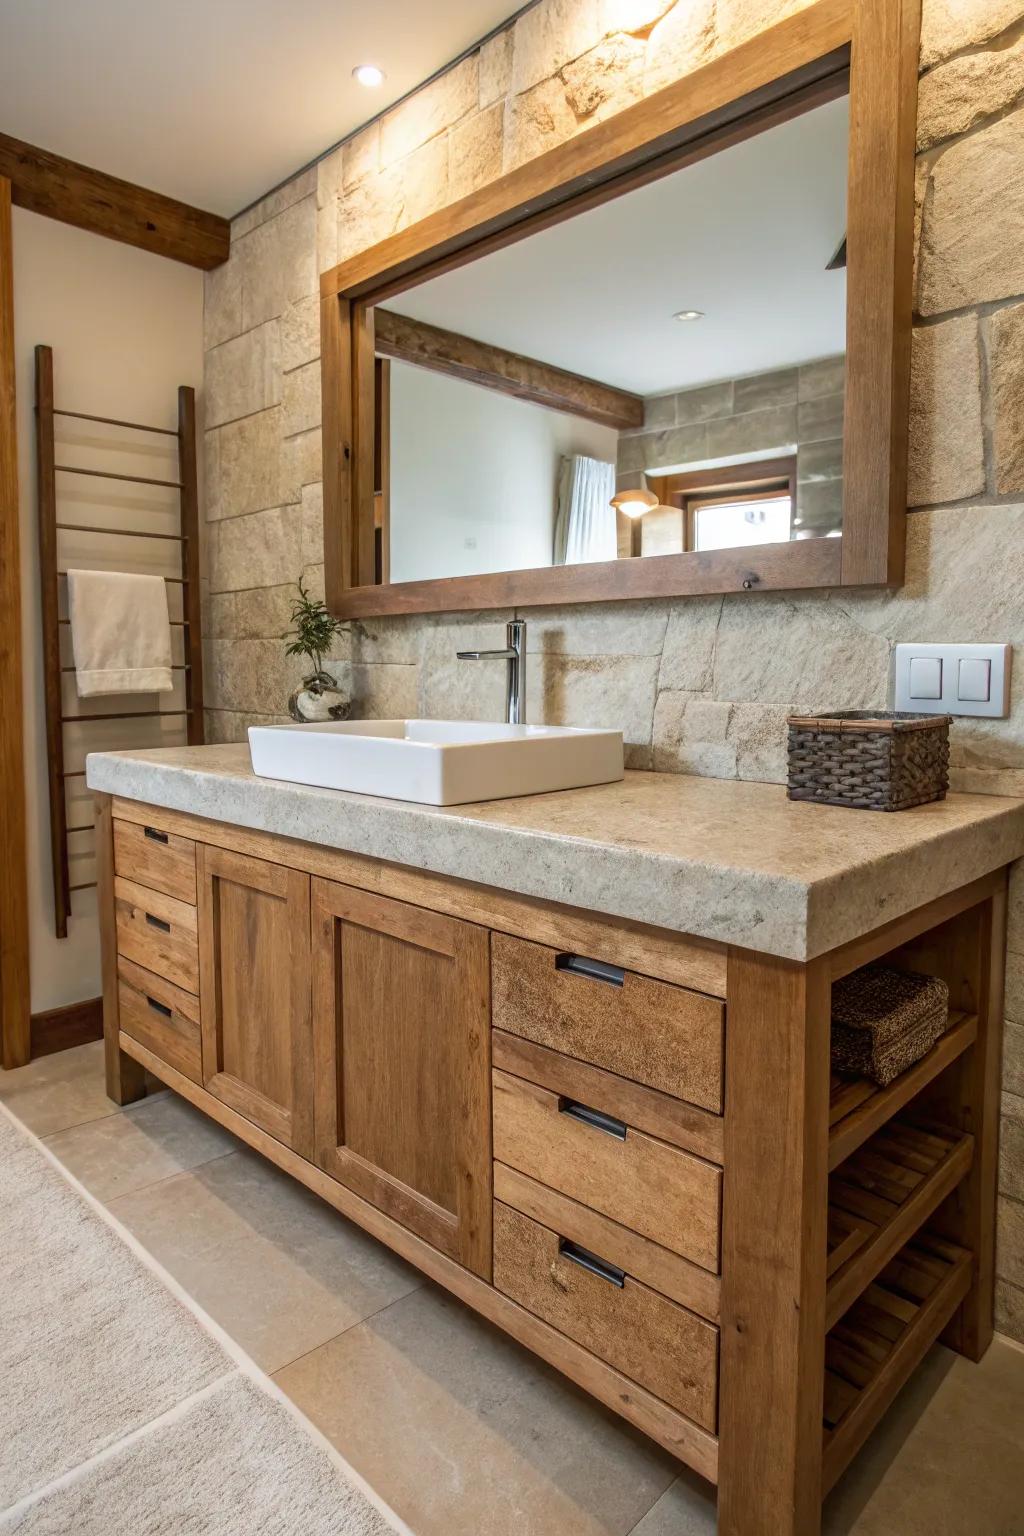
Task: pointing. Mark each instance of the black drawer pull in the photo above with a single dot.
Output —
(590, 1262)
(593, 1117)
(159, 1007)
(157, 922)
(155, 835)
(593, 970)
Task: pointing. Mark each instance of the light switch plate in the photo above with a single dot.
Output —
(996, 706)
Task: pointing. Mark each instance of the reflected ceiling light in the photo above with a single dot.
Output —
(688, 314)
(635, 503)
(368, 75)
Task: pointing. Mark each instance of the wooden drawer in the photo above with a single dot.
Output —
(160, 1016)
(161, 861)
(661, 1346)
(157, 932)
(637, 1180)
(646, 1030)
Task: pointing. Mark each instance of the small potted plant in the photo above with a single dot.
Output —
(318, 697)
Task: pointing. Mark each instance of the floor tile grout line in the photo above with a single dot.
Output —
(243, 1362)
(179, 1173)
(305, 1354)
(98, 1458)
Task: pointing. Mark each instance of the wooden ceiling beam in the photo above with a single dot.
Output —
(413, 341)
(75, 194)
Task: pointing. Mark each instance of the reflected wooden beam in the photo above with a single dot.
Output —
(104, 205)
(478, 362)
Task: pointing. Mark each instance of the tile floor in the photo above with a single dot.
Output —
(460, 1430)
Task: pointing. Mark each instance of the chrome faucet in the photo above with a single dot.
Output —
(514, 655)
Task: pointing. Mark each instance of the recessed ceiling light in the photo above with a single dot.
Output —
(368, 74)
(689, 314)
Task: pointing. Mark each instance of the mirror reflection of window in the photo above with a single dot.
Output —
(732, 524)
(694, 364)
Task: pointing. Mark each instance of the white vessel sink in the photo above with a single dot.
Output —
(436, 762)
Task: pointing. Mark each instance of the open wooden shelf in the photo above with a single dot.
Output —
(881, 1196)
(872, 1351)
(859, 1108)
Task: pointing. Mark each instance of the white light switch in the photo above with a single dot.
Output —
(953, 679)
(974, 679)
(925, 677)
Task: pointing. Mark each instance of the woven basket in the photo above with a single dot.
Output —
(885, 1020)
(872, 762)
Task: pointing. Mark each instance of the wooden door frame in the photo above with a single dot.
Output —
(871, 46)
(15, 995)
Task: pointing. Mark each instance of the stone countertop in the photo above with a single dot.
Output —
(719, 858)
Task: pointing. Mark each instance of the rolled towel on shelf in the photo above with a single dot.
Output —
(120, 633)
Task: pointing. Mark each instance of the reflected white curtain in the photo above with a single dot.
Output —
(585, 521)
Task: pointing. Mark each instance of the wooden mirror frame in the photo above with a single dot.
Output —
(869, 47)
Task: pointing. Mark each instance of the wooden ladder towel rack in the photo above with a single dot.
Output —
(51, 572)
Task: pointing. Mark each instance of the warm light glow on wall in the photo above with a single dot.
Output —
(634, 15)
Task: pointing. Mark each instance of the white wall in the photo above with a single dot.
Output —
(126, 330)
(469, 463)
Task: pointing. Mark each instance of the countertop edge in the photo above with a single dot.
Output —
(573, 873)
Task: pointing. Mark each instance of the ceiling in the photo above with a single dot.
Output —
(216, 101)
(744, 236)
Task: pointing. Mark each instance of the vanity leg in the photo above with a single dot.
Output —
(126, 1079)
(774, 1231)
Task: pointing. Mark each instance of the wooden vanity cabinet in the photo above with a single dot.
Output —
(254, 997)
(679, 1208)
(401, 1055)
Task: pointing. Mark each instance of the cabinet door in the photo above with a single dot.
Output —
(402, 1051)
(255, 992)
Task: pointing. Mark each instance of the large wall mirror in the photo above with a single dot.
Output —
(686, 374)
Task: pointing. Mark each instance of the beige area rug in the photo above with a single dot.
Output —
(123, 1410)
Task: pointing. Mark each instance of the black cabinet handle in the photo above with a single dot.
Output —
(157, 922)
(593, 970)
(155, 835)
(593, 1117)
(159, 1007)
(590, 1262)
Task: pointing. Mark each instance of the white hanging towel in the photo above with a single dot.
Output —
(120, 633)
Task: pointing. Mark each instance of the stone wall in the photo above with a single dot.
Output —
(759, 413)
(701, 686)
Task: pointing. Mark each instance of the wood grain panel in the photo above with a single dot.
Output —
(670, 1351)
(402, 1056)
(125, 1079)
(879, 280)
(663, 1271)
(677, 1434)
(641, 1029)
(255, 992)
(15, 999)
(696, 963)
(76, 194)
(161, 1017)
(162, 861)
(462, 357)
(157, 932)
(643, 1184)
(695, 1130)
(774, 1241)
(807, 563)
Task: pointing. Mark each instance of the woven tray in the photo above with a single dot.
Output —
(871, 762)
(883, 1021)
